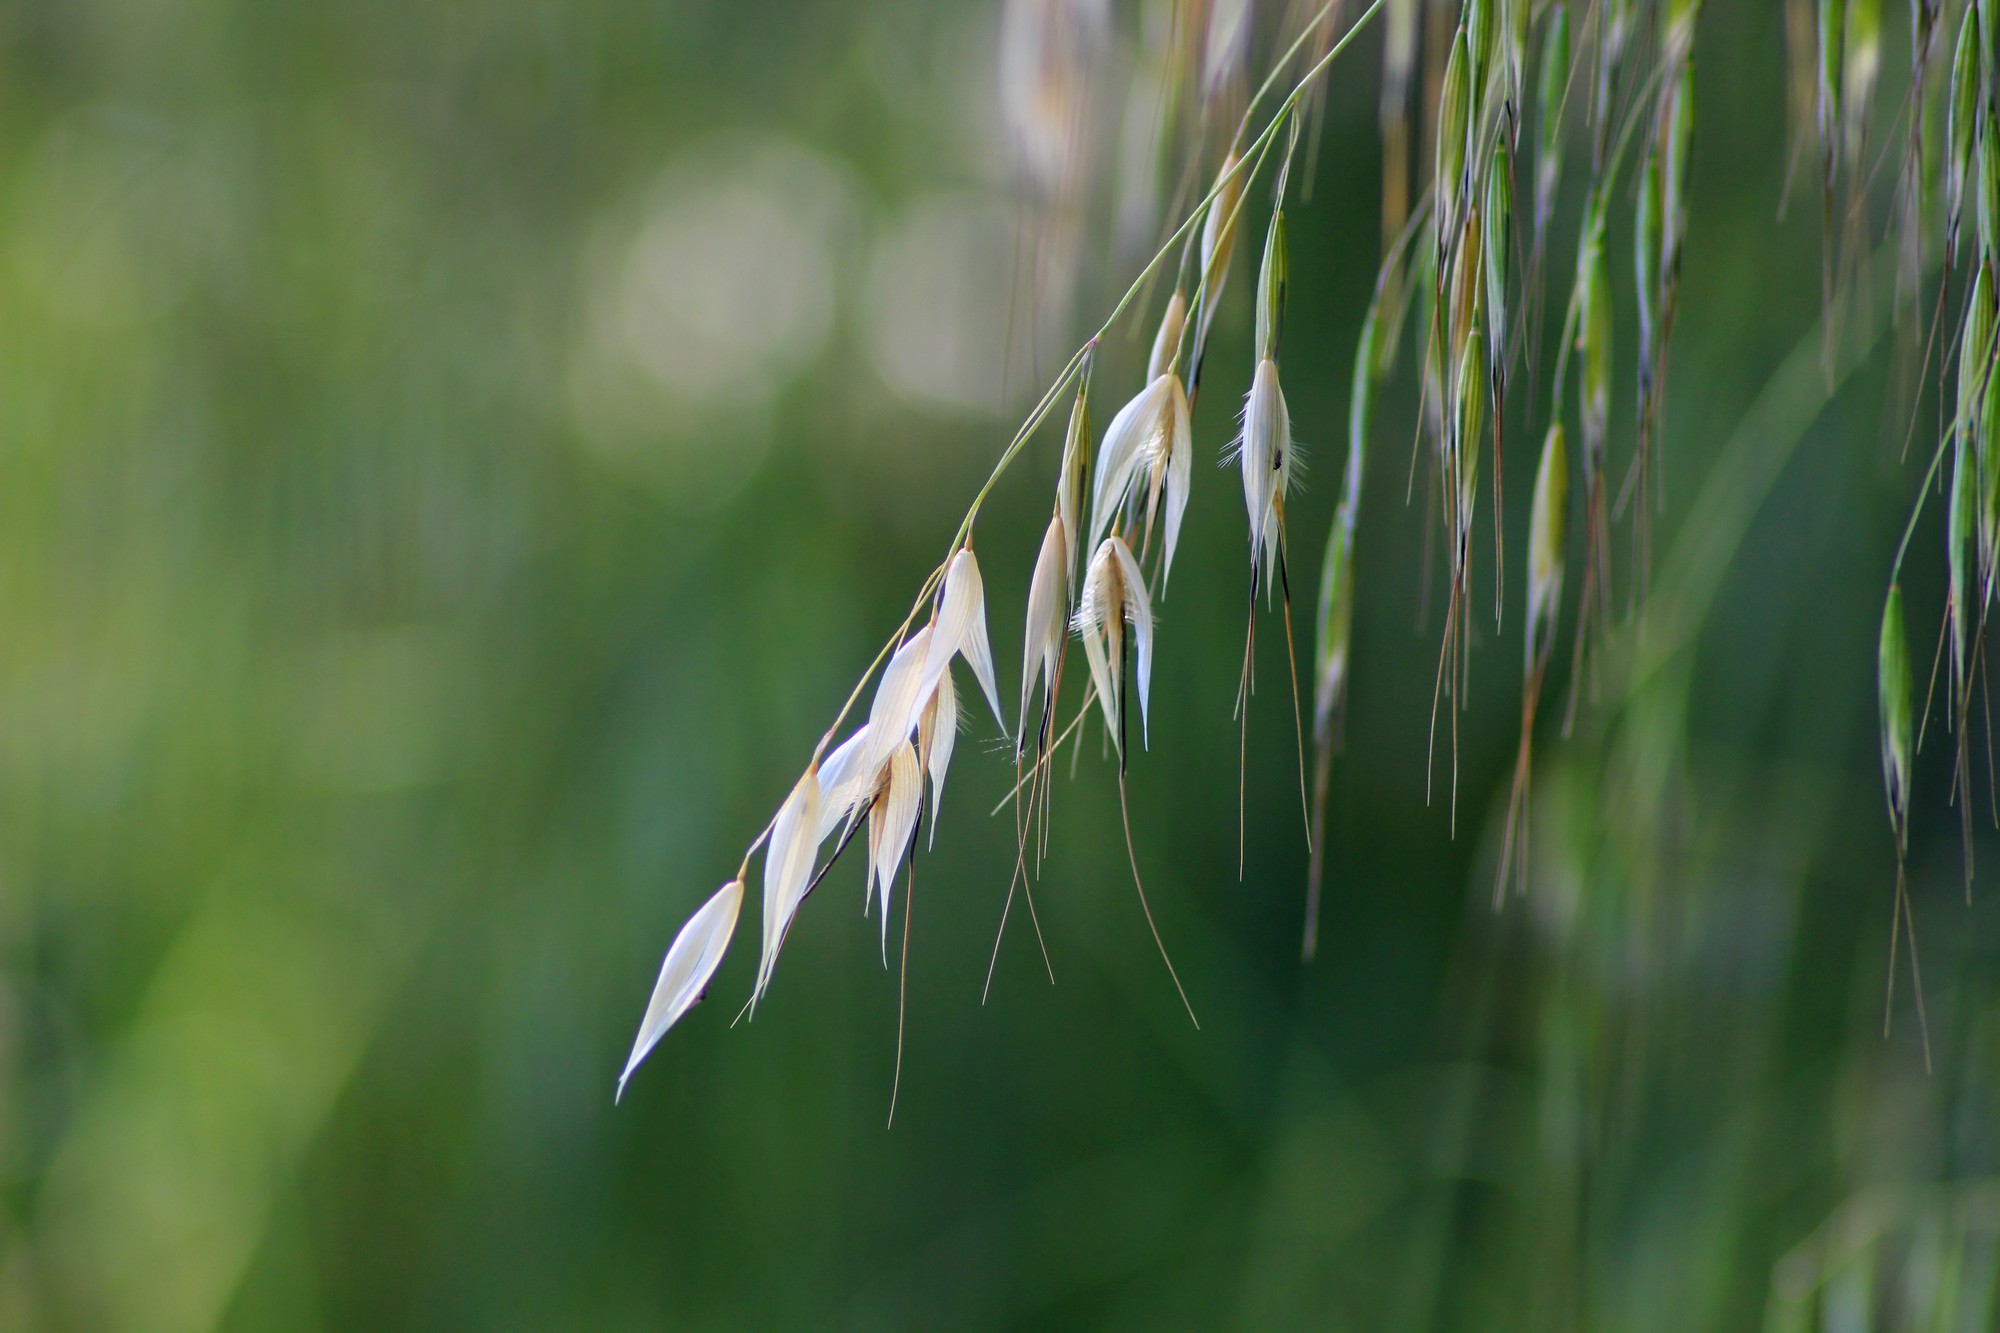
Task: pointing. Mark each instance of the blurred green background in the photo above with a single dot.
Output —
(455, 455)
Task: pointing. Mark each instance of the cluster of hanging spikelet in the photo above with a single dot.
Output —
(1453, 259)
(1953, 88)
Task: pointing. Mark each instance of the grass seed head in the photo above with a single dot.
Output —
(936, 735)
(1468, 281)
(1989, 473)
(1893, 673)
(892, 819)
(1114, 596)
(844, 787)
(1167, 342)
(1269, 462)
(1218, 242)
(899, 698)
(1480, 35)
(1832, 29)
(688, 968)
(1272, 274)
(788, 863)
(1516, 16)
(1863, 63)
(961, 628)
(1548, 521)
(1958, 537)
(1048, 612)
(1593, 344)
(1552, 85)
(1498, 245)
(1677, 145)
(1474, 390)
(1647, 225)
(1336, 619)
(1075, 472)
(1361, 404)
(1975, 348)
(1987, 171)
(1963, 116)
(1454, 108)
(1677, 20)
(1147, 454)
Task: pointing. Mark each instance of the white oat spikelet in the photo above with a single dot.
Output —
(1218, 245)
(1167, 342)
(1114, 595)
(1048, 613)
(1147, 458)
(936, 734)
(788, 863)
(684, 976)
(892, 820)
(1269, 460)
(899, 699)
(960, 628)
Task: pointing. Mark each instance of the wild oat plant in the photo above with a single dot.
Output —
(1486, 108)
(1459, 283)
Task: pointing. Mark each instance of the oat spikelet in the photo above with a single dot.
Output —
(1145, 459)
(1548, 526)
(788, 863)
(684, 976)
(892, 819)
(1114, 596)
(1048, 615)
(961, 628)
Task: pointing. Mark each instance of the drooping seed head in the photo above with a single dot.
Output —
(1474, 390)
(1647, 224)
(1269, 462)
(1988, 183)
(1218, 242)
(1958, 537)
(1678, 142)
(1498, 246)
(1468, 280)
(1114, 596)
(937, 733)
(1963, 116)
(1336, 618)
(1167, 342)
(899, 698)
(788, 863)
(1863, 62)
(1048, 613)
(960, 628)
(1480, 36)
(1454, 108)
(1832, 43)
(1989, 474)
(1975, 348)
(1361, 403)
(1516, 16)
(1548, 525)
(685, 973)
(1893, 675)
(1272, 275)
(844, 786)
(1147, 456)
(1593, 343)
(892, 819)
(1677, 21)
(1075, 471)
(1554, 81)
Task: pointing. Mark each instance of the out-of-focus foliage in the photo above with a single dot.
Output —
(455, 455)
